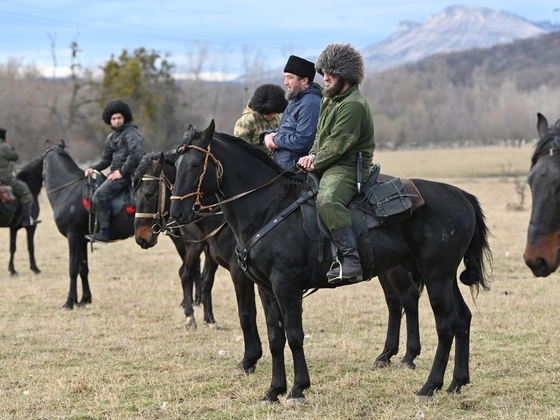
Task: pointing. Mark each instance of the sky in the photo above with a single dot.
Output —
(226, 36)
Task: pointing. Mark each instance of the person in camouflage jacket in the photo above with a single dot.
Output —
(262, 113)
(345, 129)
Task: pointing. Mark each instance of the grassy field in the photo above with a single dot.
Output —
(128, 356)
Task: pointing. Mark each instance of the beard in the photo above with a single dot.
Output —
(290, 96)
(334, 90)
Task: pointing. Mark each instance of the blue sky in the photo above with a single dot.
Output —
(229, 32)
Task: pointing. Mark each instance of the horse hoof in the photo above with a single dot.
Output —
(214, 326)
(190, 325)
(380, 364)
(240, 372)
(407, 366)
(67, 307)
(295, 401)
(268, 401)
(423, 398)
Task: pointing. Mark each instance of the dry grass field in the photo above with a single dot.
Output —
(128, 356)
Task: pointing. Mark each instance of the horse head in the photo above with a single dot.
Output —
(153, 182)
(542, 252)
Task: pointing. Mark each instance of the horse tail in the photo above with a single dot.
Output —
(478, 257)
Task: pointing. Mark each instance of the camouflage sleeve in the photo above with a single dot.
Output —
(245, 129)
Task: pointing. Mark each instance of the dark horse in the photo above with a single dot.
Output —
(542, 252)
(10, 214)
(151, 195)
(252, 191)
(152, 182)
(64, 186)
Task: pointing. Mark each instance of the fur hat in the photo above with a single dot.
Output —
(341, 60)
(300, 67)
(268, 98)
(116, 106)
(2, 134)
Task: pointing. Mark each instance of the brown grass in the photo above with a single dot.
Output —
(127, 356)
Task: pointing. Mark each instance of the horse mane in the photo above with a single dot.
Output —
(147, 161)
(69, 164)
(32, 175)
(547, 142)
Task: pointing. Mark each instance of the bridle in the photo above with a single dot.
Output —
(198, 206)
(161, 214)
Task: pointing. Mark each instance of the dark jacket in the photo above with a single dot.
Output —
(122, 150)
(298, 126)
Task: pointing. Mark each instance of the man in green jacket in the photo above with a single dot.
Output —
(345, 129)
(20, 188)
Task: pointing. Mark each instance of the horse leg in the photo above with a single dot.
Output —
(461, 374)
(197, 282)
(208, 275)
(440, 292)
(192, 256)
(74, 267)
(30, 231)
(247, 310)
(276, 343)
(84, 272)
(13, 238)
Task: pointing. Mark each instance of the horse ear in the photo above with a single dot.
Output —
(542, 125)
(62, 142)
(208, 134)
(158, 165)
(47, 144)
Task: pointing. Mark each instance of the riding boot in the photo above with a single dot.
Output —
(348, 266)
(26, 219)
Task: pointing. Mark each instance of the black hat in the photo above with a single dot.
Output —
(300, 67)
(268, 98)
(116, 106)
(2, 134)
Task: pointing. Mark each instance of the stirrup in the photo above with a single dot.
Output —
(338, 278)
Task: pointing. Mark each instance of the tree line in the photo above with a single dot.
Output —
(472, 97)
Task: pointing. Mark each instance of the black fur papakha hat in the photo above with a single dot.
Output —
(300, 67)
(341, 60)
(116, 106)
(2, 134)
(268, 98)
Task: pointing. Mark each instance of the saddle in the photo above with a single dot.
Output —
(383, 200)
(6, 193)
(122, 204)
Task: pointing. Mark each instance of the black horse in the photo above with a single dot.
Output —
(542, 252)
(152, 184)
(253, 191)
(64, 182)
(10, 214)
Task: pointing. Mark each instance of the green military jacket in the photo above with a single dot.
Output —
(7, 156)
(252, 124)
(345, 128)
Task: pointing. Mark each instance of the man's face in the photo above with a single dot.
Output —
(293, 85)
(117, 120)
(333, 85)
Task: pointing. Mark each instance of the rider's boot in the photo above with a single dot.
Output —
(348, 267)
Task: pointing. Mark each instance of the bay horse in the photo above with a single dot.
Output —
(542, 251)
(253, 191)
(153, 181)
(10, 214)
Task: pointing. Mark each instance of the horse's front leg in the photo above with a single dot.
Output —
(84, 273)
(187, 273)
(30, 231)
(208, 275)
(13, 247)
(73, 270)
(276, 343)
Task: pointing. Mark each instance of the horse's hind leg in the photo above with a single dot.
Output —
(400, 291)
(30, 231)
(73, 269)
(84, 273)
(461, 374)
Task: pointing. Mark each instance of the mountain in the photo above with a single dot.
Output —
(457, 28)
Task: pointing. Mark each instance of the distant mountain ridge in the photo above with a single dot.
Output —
(457, 28)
